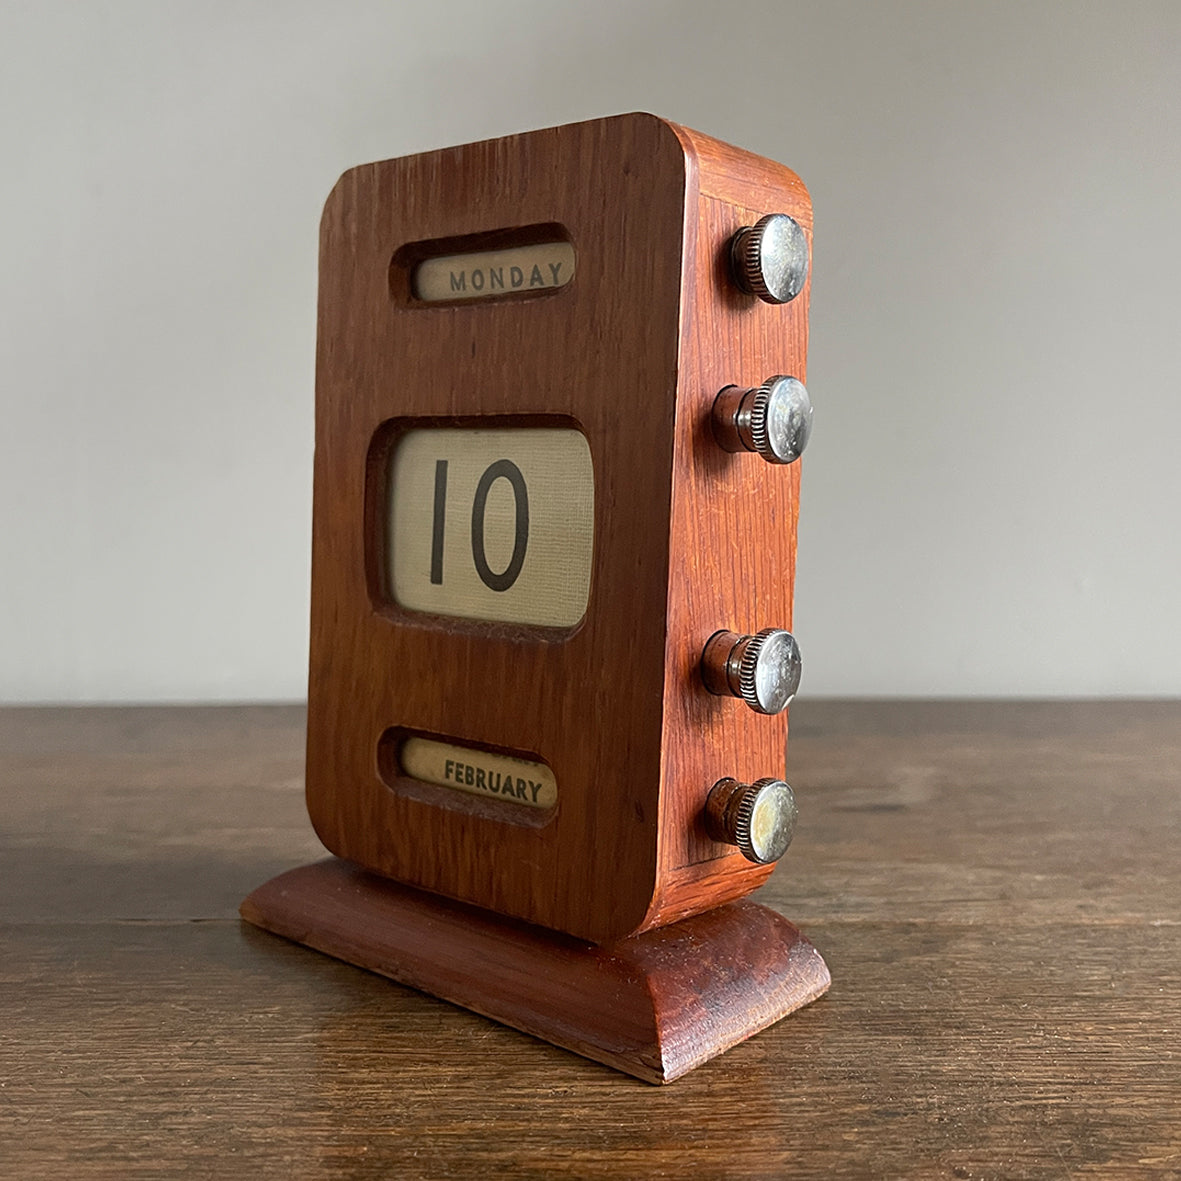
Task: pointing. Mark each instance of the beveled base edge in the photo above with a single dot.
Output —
(654, 1006)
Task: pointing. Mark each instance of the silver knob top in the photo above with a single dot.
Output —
(773, 419)
(769, 670)
(759, 817)
(770, 258)
(781, 419)
(763, 669)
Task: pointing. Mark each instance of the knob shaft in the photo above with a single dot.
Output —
(770, 258)
(763, 669)
(759, 817)
(774, 419)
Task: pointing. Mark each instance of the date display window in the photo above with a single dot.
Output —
(491, 524)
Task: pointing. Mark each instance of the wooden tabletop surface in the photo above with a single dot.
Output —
(995, 888)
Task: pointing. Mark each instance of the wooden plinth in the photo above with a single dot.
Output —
(655, 1005)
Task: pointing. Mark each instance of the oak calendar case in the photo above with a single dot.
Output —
(559, 401)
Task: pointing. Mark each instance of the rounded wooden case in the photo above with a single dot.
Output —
(688, 538)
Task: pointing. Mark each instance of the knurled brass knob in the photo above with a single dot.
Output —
(773, 420)
(763, 669)
(759, 817)
(770, 258)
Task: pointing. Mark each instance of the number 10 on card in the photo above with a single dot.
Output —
(491, 524)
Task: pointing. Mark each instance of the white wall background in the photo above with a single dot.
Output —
(992, 492)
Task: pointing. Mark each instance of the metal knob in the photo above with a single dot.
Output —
(773, 419)
(760, 817)
(763, 669)
(770, 258)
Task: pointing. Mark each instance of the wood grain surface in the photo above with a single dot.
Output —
(995, 887)
(734, 520)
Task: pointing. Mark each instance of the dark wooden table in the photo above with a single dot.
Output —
(995, 887)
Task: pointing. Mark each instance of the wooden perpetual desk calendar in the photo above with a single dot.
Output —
(559, 398)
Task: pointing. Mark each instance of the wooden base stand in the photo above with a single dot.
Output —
(654, 1006)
